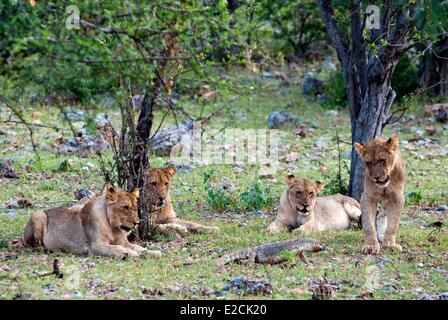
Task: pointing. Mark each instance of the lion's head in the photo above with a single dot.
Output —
(302, 193)
(379, 158)
(122, 207)
(158, 182)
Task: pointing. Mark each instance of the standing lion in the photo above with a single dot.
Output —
(384, 183)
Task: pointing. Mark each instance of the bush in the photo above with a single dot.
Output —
(255, 198)
(405, 77)
(218, 198)
(334, 88)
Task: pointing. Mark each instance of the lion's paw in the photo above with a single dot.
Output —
(371, 248)
(392, 246)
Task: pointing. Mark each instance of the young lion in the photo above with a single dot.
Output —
(98, 227)
(384, 182)
(300, 208)
(158, 184)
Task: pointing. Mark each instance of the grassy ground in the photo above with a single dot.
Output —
(188, 267)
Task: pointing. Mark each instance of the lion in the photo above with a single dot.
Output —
(158, 182)
(301, 209)
(384, 183)
(97, 226)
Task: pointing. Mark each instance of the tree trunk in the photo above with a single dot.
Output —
(367, 75)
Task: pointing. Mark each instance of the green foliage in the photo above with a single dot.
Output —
(218, 198)
(255, 198)
(296, 24)
(405, 78)
(414, 197)
(334, 88)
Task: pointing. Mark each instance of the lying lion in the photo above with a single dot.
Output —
(158, 182)
(98, 226)
(301, 209)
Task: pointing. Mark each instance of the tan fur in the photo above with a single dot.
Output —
(96, 226)
(158, 183)
(301, 209)
(384, 183)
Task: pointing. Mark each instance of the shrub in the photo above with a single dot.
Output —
(334, 88)
(255, 198)
(218, 198)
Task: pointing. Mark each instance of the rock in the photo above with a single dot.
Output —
(312, 85)
(443, 296)
(241, 285)
(329, 65)
(179, 166)
(6, 171)
(424, 296)
(82, 145)
(73, 115)
(83, 193)
(440, 111)
(174, 139)
(24, 203)
(442, 207)
(101, 120)
(279, 119)
(11, 213)
(314, 125)
(331, 113)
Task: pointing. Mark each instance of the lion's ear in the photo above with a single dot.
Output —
(171, 170)
(135, 192)
(359, 149)
(319, 185)
(110, 191)
(392, 143)
(289, 178)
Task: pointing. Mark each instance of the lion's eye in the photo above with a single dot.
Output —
(126, 208)
(382, 161)
(154, 184)
(299, 193)
(311, 193)
(166, 184)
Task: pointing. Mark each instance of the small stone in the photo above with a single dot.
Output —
(443, 296)
(424, 296)
(331, 113)
(312, 85)
(101, 120)
(314, 125)
(73, 115)
(442, 207)
(82, 193)
(279, 119)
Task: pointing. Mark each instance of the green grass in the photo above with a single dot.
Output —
(188, 267)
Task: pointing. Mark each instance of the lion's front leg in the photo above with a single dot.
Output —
(112, 250)
(305, 228)
(193, 226)
(276, 227)
(393, 209)
(368, 214)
